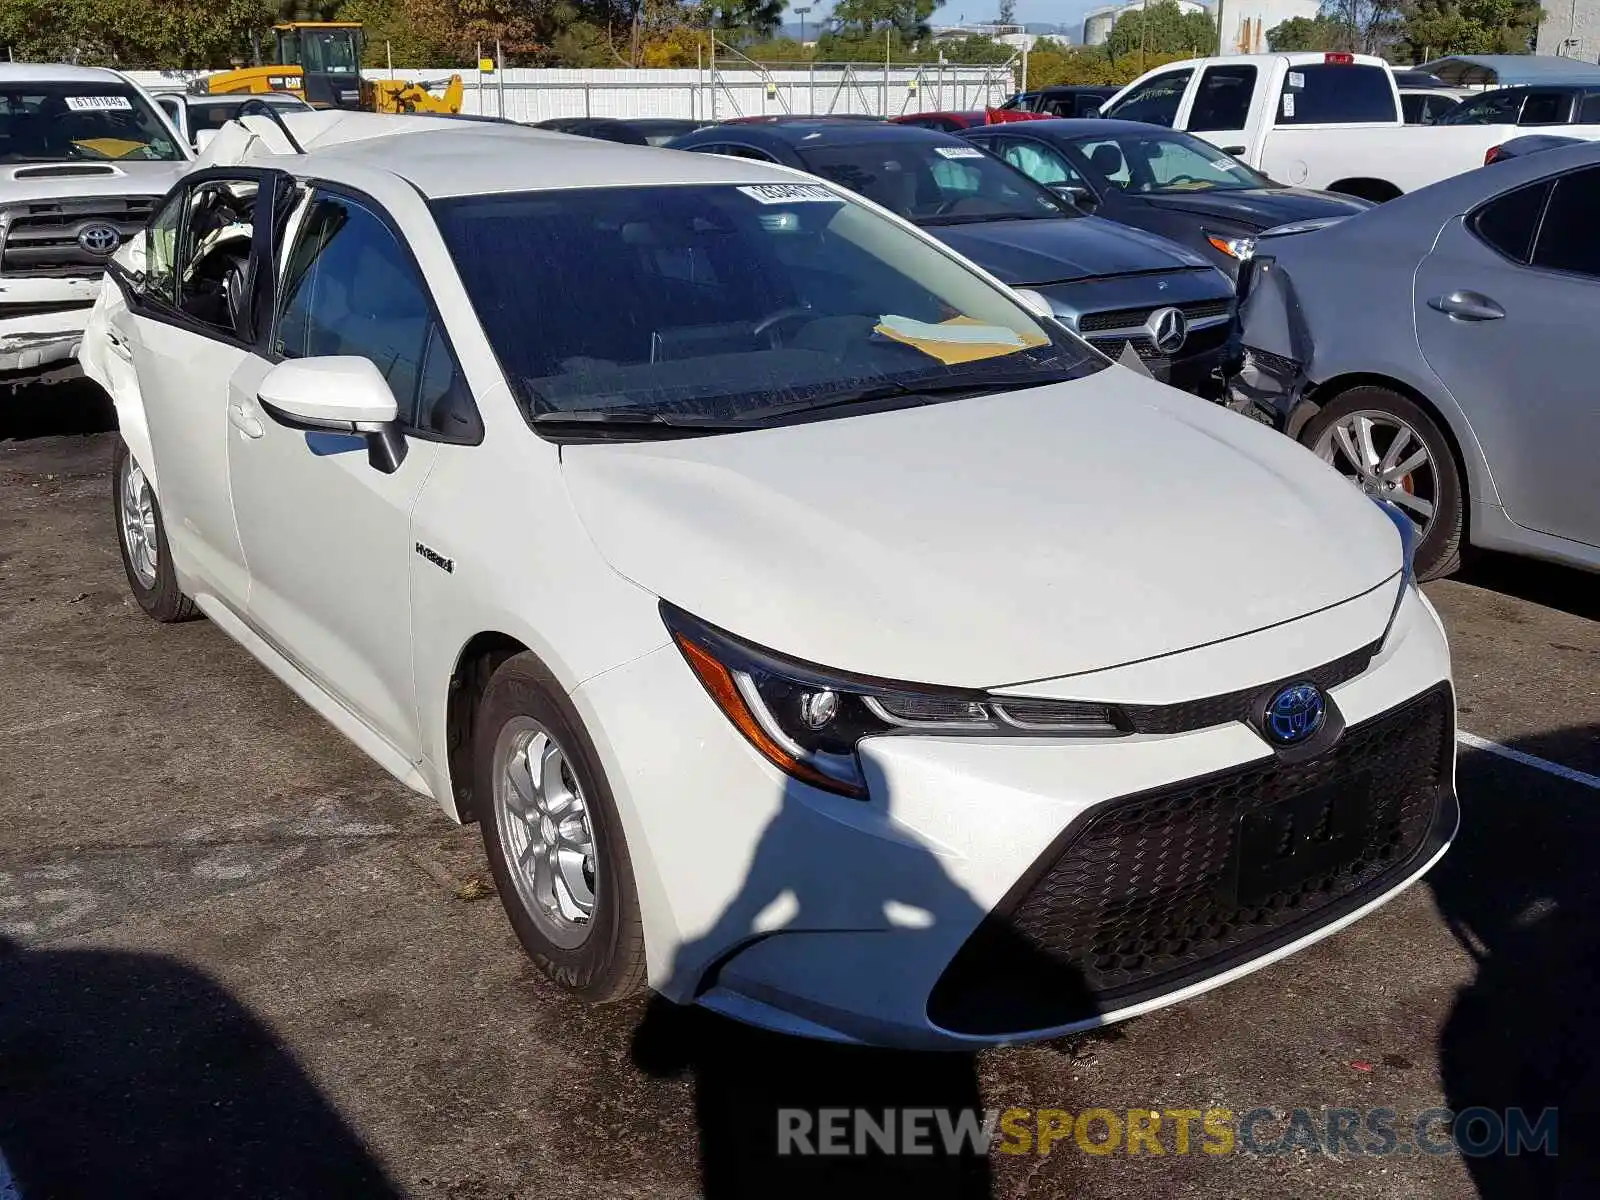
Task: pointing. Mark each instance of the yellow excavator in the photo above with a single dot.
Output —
(320, 61)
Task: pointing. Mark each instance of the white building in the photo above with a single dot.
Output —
(1571, 29)
(1097, 22)
(1246, 23)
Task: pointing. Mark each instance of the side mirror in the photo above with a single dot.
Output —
(1035, 302)
(337, 394)
(1080, 197)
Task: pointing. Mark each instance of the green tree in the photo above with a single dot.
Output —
(1161, 28)
(974, 51)
(1307, 33)
(739, 21)
(859, 19)
(1434, 27)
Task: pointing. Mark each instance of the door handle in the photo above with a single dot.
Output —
(244, 421)
(119, 345)
(1467, 306)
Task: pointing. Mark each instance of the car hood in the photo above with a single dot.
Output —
(1026, 253)
(992, 540)
(53, 180)
(1260, 208)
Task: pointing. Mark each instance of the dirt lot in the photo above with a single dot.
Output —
(237, 959)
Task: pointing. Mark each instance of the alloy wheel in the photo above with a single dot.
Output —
(139, 523)
(546, 834)
(1387, 459)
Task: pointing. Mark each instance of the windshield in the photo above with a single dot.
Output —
(934, 183)
(733, 304)
(215, 116)
(1492, 108)
(320, 51)
(56, 122)
(1166, 162)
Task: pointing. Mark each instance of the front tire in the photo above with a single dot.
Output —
(1390, 447)
(553, 838)
(142, 538)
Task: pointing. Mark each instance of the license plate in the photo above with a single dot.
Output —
(1284, 844)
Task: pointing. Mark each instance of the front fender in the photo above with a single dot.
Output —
(117, 376)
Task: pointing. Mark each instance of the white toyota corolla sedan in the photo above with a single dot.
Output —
(815, 632)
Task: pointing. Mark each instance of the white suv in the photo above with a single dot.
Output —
(84, 156)
(815, 633)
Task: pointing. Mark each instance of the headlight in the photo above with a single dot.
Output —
(1408, 535)
(807, 721)
(1234, 247)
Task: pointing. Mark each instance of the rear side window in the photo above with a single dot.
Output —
(1493, 108)
(1335, 94)
(1508, 222)
(1154, 101)
(1568, 237)
(1223, 100)
(1546, 108)
(1589, 111)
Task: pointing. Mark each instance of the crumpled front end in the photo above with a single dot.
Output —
(1270, 379)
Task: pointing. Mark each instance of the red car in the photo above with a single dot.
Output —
(954, 122)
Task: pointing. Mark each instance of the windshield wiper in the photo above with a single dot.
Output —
(632, 422)
(925, 393)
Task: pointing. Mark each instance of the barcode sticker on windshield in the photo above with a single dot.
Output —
(1288, 105)
(791, 193)
(1296, 80)
(97, 103)
(1223, 164)
(958, 151)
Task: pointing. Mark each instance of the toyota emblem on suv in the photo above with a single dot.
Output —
(1168, 328)
(99, 239)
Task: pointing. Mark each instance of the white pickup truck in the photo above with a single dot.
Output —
(84, 156)
(1316, 120)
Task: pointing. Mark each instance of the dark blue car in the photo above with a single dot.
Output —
(1120, 288)
(1159, 180)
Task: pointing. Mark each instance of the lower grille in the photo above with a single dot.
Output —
(41, 239)
(1156, 891)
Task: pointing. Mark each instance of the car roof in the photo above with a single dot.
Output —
(838, 133)
(482, 160)
(1076, 127)
(56, 73)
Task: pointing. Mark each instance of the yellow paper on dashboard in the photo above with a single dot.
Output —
(110, 147)
(958, 340)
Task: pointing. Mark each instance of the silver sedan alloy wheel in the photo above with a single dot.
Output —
(139, 523)
(1387, 459)
(546, 835)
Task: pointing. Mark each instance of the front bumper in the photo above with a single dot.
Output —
(934, 914)
(41, 327)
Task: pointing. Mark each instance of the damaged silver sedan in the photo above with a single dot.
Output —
(1435, 350)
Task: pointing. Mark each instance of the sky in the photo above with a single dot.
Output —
(955, 12)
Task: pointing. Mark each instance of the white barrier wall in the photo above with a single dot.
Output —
(535, 94)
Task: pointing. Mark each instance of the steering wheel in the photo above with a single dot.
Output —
(767, 326)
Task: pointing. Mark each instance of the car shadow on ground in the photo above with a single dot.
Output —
(132, 1075)
(75, 407)
(746, 1080)
(1521, 892)
(1549, 584)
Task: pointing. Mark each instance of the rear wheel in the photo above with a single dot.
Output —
(142, 538)
(1391, 448)
(553, 838)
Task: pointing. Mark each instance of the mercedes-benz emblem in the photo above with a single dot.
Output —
(99, 239)
(1168, 328)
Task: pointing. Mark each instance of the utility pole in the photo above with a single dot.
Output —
(1221, 37)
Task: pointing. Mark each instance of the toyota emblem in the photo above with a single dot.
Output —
(99, 239)
(1168, 328)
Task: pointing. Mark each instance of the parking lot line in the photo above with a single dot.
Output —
(1528, 760)
(8, 1186)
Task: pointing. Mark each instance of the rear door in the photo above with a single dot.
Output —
(1221, 109)
(188, 327)
(1507, 304)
